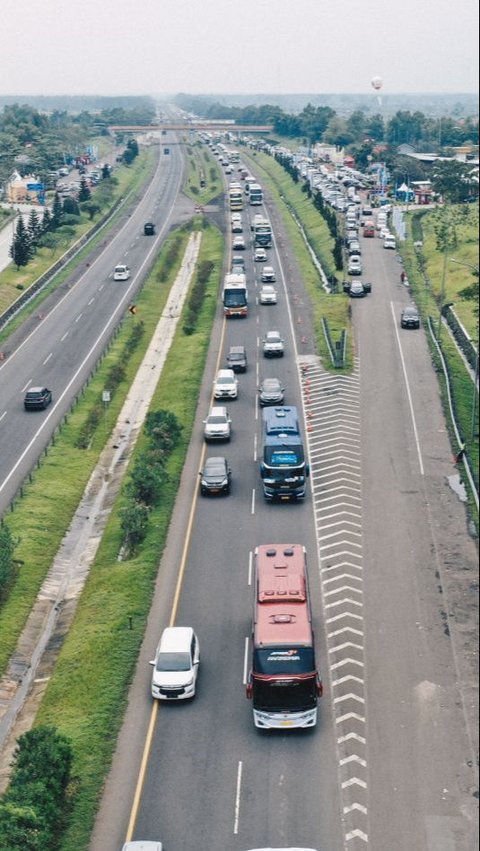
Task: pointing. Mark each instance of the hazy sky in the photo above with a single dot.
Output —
(215, 46)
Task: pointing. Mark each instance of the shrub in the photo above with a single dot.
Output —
(134, 523)
(33, 809)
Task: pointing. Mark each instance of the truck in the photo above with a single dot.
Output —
(235, 295)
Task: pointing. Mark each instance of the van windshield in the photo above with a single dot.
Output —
(173, 662)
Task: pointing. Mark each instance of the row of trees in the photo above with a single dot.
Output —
(149, 476)
(39, 231)
(32, 142)
(323, 124)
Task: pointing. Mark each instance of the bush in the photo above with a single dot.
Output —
(146, 480)
(163, 429)
(33, 809)
(134, 523)
(7, 564)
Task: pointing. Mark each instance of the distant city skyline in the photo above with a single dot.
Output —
(219, 47)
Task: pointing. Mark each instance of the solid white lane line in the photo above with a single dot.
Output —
(245, 661)
(253, 502)
(237, 797)
(409, 395)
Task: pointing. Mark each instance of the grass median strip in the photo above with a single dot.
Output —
(87, 693)
(290, 198)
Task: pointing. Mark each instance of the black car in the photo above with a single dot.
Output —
(149, 229)
(271, 392)
(37, 398)
(410, 317)
(356, 289)
(215, 476)
(237, 359)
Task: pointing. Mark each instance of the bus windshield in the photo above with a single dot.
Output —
(279, 661)
(284, 456)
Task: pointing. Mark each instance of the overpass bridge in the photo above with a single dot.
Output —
(204, 126)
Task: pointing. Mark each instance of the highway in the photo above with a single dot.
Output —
(389, 766)
(58, 346)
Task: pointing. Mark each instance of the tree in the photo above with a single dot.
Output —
(163, 429)
(84, 193)
(147, 480)
(34, 227)
(337, 132)
(70, 207)
(134, 523)
(20, 249)
(454, 181)
(46, 220)
(57, 212)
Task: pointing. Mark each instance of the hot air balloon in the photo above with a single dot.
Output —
(377, 84)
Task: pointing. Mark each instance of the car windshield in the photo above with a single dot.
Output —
(226, 380)
(217, 469)
(271, 385)
(216, 420)
(410, 311)
(173, 662)
(236, 356)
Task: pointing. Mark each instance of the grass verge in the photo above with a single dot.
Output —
(289, 197)
(424, 274)
(201, 165)
(87, 693)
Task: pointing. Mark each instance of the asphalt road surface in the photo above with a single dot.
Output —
(389, 766)
(59, 345)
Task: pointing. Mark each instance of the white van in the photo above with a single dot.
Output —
(121, 273)
(390, 241)
(175, 667)
(140, 845)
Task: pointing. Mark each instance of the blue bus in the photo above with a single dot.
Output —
(284, 469)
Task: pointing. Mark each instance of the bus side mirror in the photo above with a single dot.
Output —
(262, 471)
(319, 688)
(307, 469)
(249, 691)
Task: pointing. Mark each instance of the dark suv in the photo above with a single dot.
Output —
(37, 398)
(237, 359)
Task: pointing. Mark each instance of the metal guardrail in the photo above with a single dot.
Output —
(461, 335)
(337, 349)
(460, 442)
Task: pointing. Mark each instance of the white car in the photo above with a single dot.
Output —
(354, 265)
(260, 255)
(144, 845)
(267, 294)
(218, 424)
(268, 275)
(175, 666)
(225, 385)
(273, 345)
(121, 273)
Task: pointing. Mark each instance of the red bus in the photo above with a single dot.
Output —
(284, 683)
